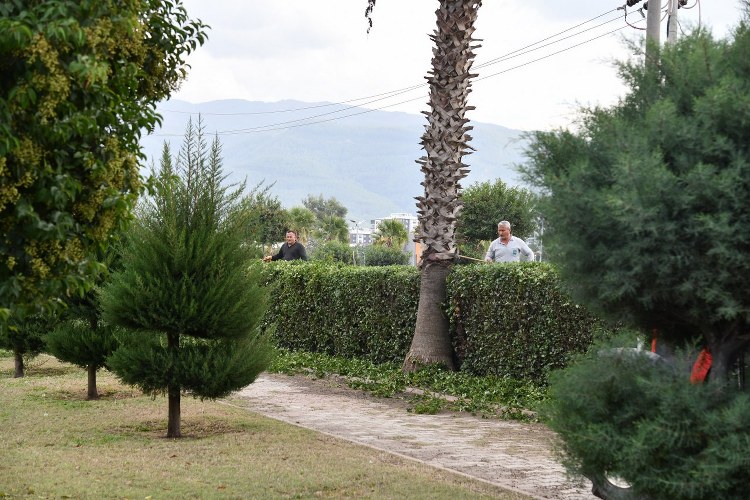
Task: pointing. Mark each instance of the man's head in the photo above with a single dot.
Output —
(503, 230)
(291, 237)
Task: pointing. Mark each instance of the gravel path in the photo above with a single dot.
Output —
(516, 456)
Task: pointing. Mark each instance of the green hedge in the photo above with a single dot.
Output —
(349, 311)
(508, 320)
(513, 320)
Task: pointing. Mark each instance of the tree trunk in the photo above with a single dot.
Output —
(431, 343)
(173, 422)
(92, 392)
(445, 141)
(18, 358)
(173, 419)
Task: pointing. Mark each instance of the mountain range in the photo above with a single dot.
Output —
(364, 158)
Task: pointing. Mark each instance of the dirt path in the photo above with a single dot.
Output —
(513, 455)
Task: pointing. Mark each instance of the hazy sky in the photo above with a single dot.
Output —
(319, 50)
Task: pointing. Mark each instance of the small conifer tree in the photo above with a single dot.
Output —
(24, 337)
(188, 286)
(80, 336)
(84, 344)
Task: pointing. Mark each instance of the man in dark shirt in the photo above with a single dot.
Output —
(291, 250)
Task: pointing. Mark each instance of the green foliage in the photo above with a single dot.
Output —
(302, 220)
(391, 233)
(187, 276)
(349, 311)
(487, 203)
(80, 82)
(77, 342)
(331, 228)
(267, 221)
(333, 251)
(624, 415)
(647, 203)
(440, 389)
(26, 337)
(323, 207)
(507, 320)
(384, 256)
(207, 368)
(513, 320)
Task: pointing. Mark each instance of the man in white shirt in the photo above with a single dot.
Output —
(507, 248)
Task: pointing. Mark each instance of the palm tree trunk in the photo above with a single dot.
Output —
(431, 343)
(445, 141)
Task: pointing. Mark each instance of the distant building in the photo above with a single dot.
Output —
(360, 236)
(408, 220)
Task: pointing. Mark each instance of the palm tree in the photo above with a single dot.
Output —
(445, 141)
(391, 233)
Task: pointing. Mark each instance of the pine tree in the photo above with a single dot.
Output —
(188, 286)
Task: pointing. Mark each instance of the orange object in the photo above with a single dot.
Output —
(701, 367)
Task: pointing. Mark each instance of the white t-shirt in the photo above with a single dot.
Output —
(498, 252)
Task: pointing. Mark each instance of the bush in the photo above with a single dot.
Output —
(378, 255)
(348, 311)
(645, 423)
(333, 251)
(513, 320)
(507, 320)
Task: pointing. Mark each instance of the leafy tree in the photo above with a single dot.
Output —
(26, 339)
(188, 285)
(323, 207)
(391, 233)
(332, 228)
(647, 209)
(81, 337)
(78, 342)
(487, 203)
(334, 251)
(647, 204)
(80, 82)
(384, 256)
(267, 219)
(302, 220)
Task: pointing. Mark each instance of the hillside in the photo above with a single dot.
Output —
(367, 161)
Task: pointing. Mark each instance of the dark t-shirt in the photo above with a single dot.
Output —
(294, 252)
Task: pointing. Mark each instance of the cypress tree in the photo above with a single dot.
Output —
(187, 286)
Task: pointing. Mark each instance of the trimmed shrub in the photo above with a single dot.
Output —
(367, 312)
(513, 320)
(379, 255)
(507, 320)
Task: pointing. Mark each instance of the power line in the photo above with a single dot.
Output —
(388, 95)
(377, 97)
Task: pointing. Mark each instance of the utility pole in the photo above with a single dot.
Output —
(653, 25)
(672, 23)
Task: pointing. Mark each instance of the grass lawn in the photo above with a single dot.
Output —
(58, 445)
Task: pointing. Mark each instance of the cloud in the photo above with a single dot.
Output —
(321, 51)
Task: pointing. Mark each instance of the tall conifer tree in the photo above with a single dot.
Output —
(188, 284)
